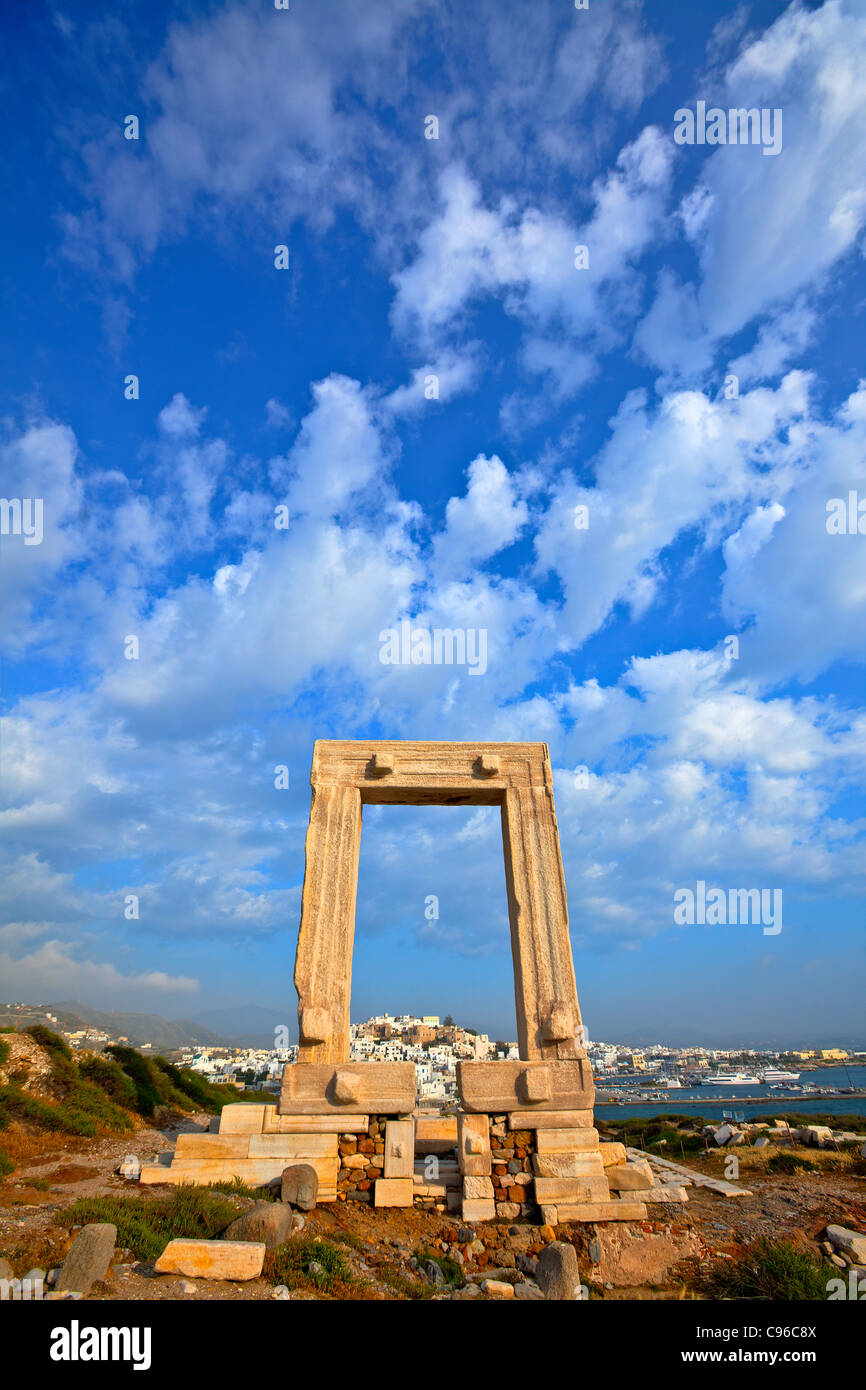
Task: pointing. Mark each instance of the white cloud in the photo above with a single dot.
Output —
(769, 228)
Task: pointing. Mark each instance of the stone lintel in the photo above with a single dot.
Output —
(378, 1088)
(524, 1087)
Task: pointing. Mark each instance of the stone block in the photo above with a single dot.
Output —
(256, 1172)
(567, 1165)
(394, 1192)
(291, 1146)
(557, 1273)
(335, 1123)
(473, 1144)
(665, 1192)
(521, 1087)
(89, 1258)
(601, 1211)
(551, 1119)
(242, 1118)
(567, 1141)
(612, 1153)
(479, 1209)
(212, 1259)
(561, 1190)
(507, 1211)
(477, 1187)
(381, 1088)
(630, 1177)
(399, 1148)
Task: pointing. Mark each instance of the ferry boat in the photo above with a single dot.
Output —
(730, 1078)
(773, 1074)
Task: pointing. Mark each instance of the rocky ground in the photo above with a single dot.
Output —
(666, 1257)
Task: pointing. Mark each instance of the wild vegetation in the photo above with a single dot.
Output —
(777, 1270)
(145, 1225)
(102, 1093)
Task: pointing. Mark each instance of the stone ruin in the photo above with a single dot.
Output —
(523, 1142)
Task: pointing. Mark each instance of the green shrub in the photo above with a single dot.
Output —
(110, 1077)
(290, 1264)
(152, 1087)
(6, 1164)
(414, 1289)
(451, 1270)
(146, 1225)
(4, 1052)
(236, 1187)
(773, 1270)
(785, 1162)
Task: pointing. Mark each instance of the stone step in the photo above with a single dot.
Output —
(593, 1211)
(314, 1124)
(256, 1172)
(288, 1146)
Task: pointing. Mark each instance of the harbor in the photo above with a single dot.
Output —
(832, 1090)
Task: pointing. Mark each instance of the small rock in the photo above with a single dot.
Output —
(187, 1286)
(315, 1269)
(434, 1273)
(468, 1291)
(497, 1288)
(270, 1222)
(528, 1292)
(89, 1258)
(281, 1293)
(299, 1221)
(852, 1242)
(595, 1250)
(300, 1186)
(130, 1167)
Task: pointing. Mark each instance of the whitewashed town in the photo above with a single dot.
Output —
(436, 1045)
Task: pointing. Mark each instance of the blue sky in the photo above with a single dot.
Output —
(602, 387)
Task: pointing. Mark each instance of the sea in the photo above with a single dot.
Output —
(719, 1102)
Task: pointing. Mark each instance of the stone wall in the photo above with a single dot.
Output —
(362, 1160)
(511, 1152)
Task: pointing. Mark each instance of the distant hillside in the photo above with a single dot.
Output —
(164, 1034)
(251, 1025)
